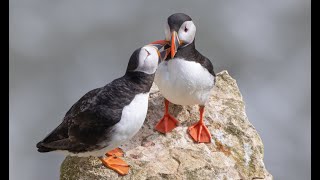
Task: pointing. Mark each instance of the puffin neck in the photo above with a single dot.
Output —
(183, 50)
(140, 78)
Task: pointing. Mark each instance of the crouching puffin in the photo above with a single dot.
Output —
(185, 78)
(106, 117)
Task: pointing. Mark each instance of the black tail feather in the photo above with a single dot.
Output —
(42, 148)
(61, 132)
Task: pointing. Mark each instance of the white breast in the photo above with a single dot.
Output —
(132, 118)
(184, 82)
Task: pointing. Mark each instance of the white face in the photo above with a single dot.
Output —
(148, 60)
(186, 32)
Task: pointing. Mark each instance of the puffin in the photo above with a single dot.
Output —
(186, 77)
(104, 118)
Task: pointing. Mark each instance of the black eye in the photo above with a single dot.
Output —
(186, 29)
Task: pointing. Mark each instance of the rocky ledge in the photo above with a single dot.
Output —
(236, 151)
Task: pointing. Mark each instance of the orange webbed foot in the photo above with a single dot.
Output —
(116, 164)
(115, 152)
(200, 133)
(166, 124)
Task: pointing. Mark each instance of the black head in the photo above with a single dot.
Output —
(176, 20)
(180, 30)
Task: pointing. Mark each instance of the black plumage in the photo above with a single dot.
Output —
(188, 52)
(89, 122)
(176, 20)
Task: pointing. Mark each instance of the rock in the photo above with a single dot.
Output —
(236, 151)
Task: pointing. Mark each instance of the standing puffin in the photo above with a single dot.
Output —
(185, 78)
(106, 117)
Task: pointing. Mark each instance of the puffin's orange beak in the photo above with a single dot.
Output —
(163, 48)
(174, 43)
(160, 42)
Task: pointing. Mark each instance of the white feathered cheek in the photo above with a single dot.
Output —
(187, 32)
(148, 60)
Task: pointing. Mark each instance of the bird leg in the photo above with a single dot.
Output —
(199, 132)
(114, 162)
(167, 122)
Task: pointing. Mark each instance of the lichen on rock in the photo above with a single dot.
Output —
(236, 151)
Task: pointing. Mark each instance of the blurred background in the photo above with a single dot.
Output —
(59, 50)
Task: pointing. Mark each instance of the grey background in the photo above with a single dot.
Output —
(59, 50)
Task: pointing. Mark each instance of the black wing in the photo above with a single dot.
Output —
(90, 120)
(206, 63)
(190, 53)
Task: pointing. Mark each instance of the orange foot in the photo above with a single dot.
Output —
(117, 164)
(115, 152)
(167, 123)
(199, 132)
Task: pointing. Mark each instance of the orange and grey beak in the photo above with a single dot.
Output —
(163, 48)
(175, 43)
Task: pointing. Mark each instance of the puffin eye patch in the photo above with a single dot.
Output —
(148, 52)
